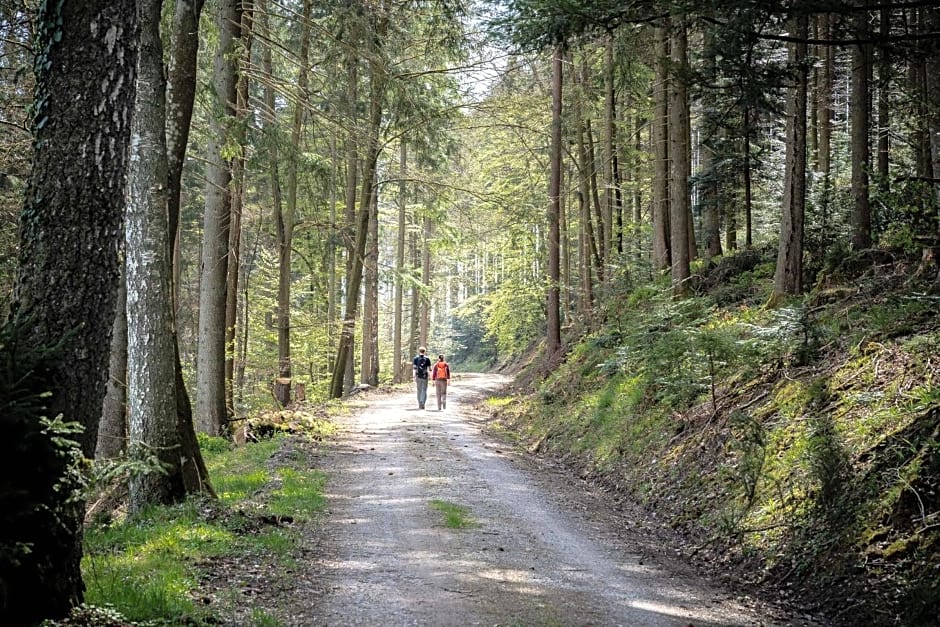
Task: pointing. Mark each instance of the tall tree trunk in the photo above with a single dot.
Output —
(639, 123)
(424, 312)
(824, 118)
(824, 96)
(788, 278)
(588, 243)
(917, 78)
(151, 383)
(932, 90)
(238, 204)
(180, 96)
(564, 251)
(553, 333)
(71, 227)
(747, 182)
(370, 303)
(610, 142)
(679, 139)
(662, 254)
(112, 432)
(378, 79)
(414, 335)
(332, 295)
(885, 72)
(284, 221)
(602, 235)
(861, 124)
(397, 359)
(210, 362)
(272, 140)
(348, 331)
(710, 199)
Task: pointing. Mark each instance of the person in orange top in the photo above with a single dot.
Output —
(440, 374)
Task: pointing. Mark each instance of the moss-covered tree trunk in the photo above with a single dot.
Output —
(70, 231)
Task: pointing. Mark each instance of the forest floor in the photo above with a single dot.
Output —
(527, 544)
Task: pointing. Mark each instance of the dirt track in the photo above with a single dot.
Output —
(544, 550)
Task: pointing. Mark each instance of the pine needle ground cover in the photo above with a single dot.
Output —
(797, 444)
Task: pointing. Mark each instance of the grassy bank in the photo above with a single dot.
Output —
(182, 565)
(798, 445)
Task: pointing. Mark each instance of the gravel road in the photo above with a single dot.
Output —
(543, 549)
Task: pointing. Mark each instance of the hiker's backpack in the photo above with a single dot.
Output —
(421, 368)
(440, 371)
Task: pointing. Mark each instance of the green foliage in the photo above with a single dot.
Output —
(908, 217)
(787, 337)
(468, 325)
(514, 317)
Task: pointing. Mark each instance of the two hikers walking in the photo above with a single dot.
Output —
(439, 373)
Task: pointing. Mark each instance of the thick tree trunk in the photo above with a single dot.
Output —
(553, 320)
(70, 232)
(861, 124)
(679, 139)
(151, 383)
(210, 362)
(788, 278)
(662, 254)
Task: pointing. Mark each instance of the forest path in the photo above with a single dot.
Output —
(543, 549)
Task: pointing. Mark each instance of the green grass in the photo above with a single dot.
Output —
(455, 516)
(301, 493)
(147, 567)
